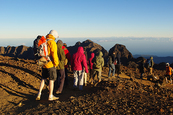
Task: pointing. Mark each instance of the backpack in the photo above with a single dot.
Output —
(40, 50)
(148, 64)
(115, 63)
(97, 62)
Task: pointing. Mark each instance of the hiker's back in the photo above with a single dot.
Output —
(98, 61)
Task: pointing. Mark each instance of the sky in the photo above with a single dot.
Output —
(25, 19)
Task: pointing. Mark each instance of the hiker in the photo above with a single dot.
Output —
(78, 63)
(90, 64)
(98, 63)
(68, 58)
(85, 74)
(118, 65)
(142, 67)
(111, 62)
(168, 73)
(150, 64)
(49, 69)
(60, 67)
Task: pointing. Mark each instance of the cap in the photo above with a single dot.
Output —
(167, 64)
(54, 33)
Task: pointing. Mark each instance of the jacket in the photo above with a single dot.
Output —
(90, 63)
(78, 61)
(98, 58)
(67, 54)
(52, 52)
(168, 70)
(61, 56)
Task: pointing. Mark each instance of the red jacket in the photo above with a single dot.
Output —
(90, 61)
(67, 54)
(78, 61)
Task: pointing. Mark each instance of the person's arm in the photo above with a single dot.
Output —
(53, 51)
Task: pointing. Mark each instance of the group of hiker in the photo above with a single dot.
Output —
(56, 70)
(149, 63)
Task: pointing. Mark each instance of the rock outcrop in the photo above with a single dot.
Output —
(19, 52)
(88, 46)
(124, 53)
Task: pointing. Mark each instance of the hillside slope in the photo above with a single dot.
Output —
(20, 80)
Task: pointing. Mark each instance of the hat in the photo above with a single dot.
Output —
(54, 33)
(167, 64)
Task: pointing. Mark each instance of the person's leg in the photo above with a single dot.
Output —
(166, 79)
(171, 79)
(93, 76)
(81, 78)
(66, 76)
(99, 75)
(151, 70)
(62, 78)
(51, 87)
(44, 77)
(110, 69)
(85, 74)
(113, 67)
(40, 89)
(118, 70)
(142, 75)
(75, 79)
(52, 78)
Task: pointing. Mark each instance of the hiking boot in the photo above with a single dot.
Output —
(58, 92)
(53, 98)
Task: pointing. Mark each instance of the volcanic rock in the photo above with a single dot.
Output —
(124, 53)
(89, 46)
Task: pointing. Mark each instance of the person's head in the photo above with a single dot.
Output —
(80, 49)
(113, 52)
(151, 58)
(167, 64)
(54, 33)
(60, 42)
(65, 44)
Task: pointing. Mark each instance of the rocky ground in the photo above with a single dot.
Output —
(20, 80)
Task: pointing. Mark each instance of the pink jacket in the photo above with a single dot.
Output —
(90, 61)
(78, 61)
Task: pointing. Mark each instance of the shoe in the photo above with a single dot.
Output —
(85, 84)
(58, 92)
(53, 98)
(37, 98)
(99, 81)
